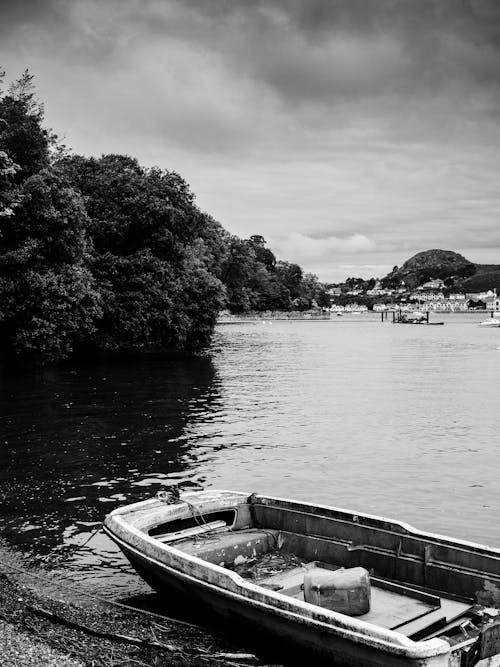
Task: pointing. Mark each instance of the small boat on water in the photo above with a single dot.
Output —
(415, 318)
(490, 322)
(269, 565)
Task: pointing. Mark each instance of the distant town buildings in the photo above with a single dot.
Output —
(349, 308)
(431, 285)
(427, 297)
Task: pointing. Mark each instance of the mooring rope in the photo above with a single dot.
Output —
(169, 498)
(92, 535)
(173, 497)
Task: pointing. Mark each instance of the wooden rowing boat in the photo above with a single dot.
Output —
(243, 558)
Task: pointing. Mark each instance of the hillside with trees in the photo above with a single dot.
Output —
(457, 272)
(487, 276)
(103, 254)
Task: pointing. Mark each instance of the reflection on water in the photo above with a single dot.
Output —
(395, 420)
(77, 443)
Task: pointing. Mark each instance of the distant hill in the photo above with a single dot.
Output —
(457, 271)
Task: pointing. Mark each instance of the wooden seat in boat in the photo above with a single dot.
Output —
(229, 547)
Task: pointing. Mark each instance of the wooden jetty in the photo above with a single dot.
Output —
(400, 317)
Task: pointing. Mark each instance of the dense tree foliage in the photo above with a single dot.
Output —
(256, 281)
(102, 253)
(22, 135)
(155, 254)
(7, 171)
(48, 300)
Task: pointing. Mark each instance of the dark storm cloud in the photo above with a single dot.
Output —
(16, 14)
(317, 16)
(324, 50)
(344, 131)
(309, 54)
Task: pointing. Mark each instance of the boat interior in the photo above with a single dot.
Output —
(421, 586)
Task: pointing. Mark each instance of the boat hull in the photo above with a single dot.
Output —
(264, 626)
(197, 573)
(490, 324)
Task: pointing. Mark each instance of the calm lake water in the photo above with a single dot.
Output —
(401, 421)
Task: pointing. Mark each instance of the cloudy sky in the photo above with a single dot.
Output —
(351, 134)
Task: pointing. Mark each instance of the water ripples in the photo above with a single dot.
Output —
(399, 421)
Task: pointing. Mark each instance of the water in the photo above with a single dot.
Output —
(394, 420)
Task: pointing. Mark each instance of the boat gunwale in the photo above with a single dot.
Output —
(350, 628)
(410, 530)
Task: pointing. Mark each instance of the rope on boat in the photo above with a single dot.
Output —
(169, 497)
(174, 496)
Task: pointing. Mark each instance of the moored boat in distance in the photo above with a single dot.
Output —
(490, 322)
(414, 317)
(253, 560)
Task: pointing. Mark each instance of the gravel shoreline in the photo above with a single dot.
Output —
(19, 648)
(39, 627)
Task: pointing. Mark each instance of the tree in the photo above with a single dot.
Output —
(48, 299)
(7, 191)
(262, 254)
(132, 208)
(201, 297)
(237, 273)
(290, 276)
(356, 283)
(22, 135)
(253, 278)
(156, 256)
(312, 293)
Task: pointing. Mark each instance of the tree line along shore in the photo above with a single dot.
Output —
(103, 254)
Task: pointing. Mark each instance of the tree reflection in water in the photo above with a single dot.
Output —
(80, 441)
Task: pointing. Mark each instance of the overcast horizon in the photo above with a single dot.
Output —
(350, 134)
